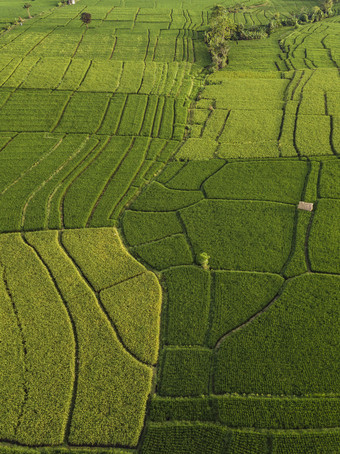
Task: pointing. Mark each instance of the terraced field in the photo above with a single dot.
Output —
(161, 291)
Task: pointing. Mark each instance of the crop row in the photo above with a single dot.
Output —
(267, 352)
(171, 79)
(204, 438)
(54, 389)
(260, 412)
(102, 113)
(254, 225)
(152, 41)
(310, 47)
(46, 186)
(297, 115)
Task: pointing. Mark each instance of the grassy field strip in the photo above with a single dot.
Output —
(201, 437)
(95, 136)
(33, 308)
(24, 144)
(253, 411)
(16, 369)
(6, 448)
(90, 391)
(51, 176)
(54, 215)
(75, 212)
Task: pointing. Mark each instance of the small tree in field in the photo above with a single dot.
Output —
(86, 19)
(204, 260)
(28, 6)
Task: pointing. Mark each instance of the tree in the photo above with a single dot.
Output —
(28, 6)
(218, 37)
(86, 19)
(204, 260)
(326, 6)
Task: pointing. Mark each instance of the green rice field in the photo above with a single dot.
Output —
(161, 289)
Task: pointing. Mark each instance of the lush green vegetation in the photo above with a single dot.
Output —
(160, 290)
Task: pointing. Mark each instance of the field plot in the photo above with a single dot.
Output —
(161, 292)
(82, 402)
(207, 361)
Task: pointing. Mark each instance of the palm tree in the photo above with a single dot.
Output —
(28, 6)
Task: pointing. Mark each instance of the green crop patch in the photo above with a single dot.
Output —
(277, 412)
(193, 174)
(288, 350)
(326, 441)
(325, 237)
(47, 73)
(313, 134)
(74, 74)
(137, 324)
(237, 297)
(125, 385)
(84, 113)
(159, 198)
(11, 359)
(118, 184)
(254, 236)
(188, 298)
(131, 79)
(297, 263)
(143, 227)
(30, 111)
(18, 77)
(252, 126)
(330, 180)
(178, 438)
(22, 153)
(38, 414)
(182, 409)
(32, 188)
(92, 248)
(102, 76)
(184, 371)
(113, 116)
(245, 94)
(133, 115)
(280, 181)
(76, 209)
(169, 251)
(197, 149)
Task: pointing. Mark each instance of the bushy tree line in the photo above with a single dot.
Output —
(223, 29)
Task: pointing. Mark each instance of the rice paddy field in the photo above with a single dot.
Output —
(160, 290)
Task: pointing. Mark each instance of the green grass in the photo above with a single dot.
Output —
(170, 251)
(271, 355)
(184, 371)
(241, 235)
(280, 181)
(237, 297)
(122, 125)
(135, 305)
(188, 298)
(324, 237)
(101, 256)
(97, 392)
(45, 357)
